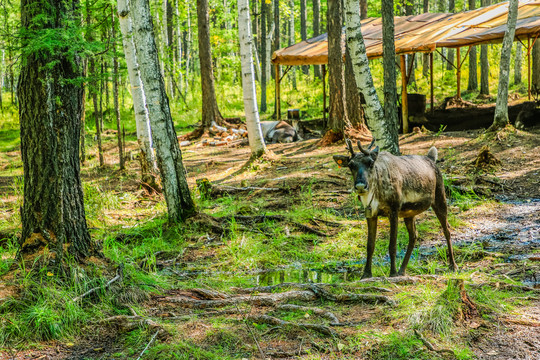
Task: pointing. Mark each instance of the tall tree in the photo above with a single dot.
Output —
(292, 40)
(256, 140)
(337, 115)
(473, 76)
(169, 157)
(484, 63)
(363, 9)
(50, 103)
(210, 110)
(535, 81)
(264, 60)
(142, 121)
(389, 69)
(425, 56)
(384, 130)
(353, 99)
(411, 58)
(450, 56)
(115, 94)
(303, 29)
(501, 107)
(518, 63)
(316, 30)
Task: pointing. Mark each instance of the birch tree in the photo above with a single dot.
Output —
(500, 119)
(383, 129)
(169, 157)
(142, 121)
(256, 140)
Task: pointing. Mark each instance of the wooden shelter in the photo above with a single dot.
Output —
(424, 33)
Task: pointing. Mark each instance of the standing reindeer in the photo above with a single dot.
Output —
(396, 186)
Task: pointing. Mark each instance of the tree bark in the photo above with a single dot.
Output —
(409, 10)
(518, 63)
(264, 60)
(451, 52)
(303, 29)
(500, 119)
(177, 195)
(50, 104)
(337, 115)
(355, 112)
(210, 110)
(363, 9)
(384, 130)
(535, 81)
(425, 57)
(256, 141)
(292, 71)
(473, 76)
(484, 62)
(389, 68)
(115, 94)
(142, 121)
(316, 31)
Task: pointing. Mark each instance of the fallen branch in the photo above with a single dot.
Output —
(523, 322)
(130, 322)
(148, 345)
(498, 285)
(317, 311)
(212, 191)
(430, 346)
(119, 275)
(261, 218)
(270, 320)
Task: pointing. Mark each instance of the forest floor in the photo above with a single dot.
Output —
(221, 286)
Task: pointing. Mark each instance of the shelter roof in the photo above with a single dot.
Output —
(424, 33)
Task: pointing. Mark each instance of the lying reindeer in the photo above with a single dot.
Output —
(396, 186)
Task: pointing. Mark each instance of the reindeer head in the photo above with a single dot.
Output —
(359, 163)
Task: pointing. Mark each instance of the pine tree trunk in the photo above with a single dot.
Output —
(115, 94)
(264, 60)
(210, 110)
(501, 107)
(425, 57)
(473, 76)
(277, 43)
(450, 56)
(50, 104)
(317, 31)
(518, 63)
(383, 129)
(256, 141)
(535, 68)
(303, 29)
(291, 42)
(179, 48)
(83, 111)
(389, 68)
(409, 10)
(484, 62)
(363, 9)
(355, 113)
(173, 174)
(337, 114)
(142, 121)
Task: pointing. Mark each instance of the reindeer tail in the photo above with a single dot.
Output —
(432, 153)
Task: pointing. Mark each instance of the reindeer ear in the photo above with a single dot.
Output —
(341, 160)
(374, 153)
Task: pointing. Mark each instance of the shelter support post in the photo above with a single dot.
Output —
(458, 73)
(324, 92)
(278, 94)
(404, 100)
(432, 99)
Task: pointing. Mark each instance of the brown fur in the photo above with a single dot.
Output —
(397, 186)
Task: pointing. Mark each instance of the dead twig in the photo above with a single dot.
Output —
(119, 275)
(430, 346)
(148, 345)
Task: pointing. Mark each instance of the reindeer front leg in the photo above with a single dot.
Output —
(392, 247)
(370, 248)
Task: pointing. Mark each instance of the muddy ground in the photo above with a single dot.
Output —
(507, 227)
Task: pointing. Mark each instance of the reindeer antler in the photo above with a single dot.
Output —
(364, 151)
(350, 147)
(372, 143)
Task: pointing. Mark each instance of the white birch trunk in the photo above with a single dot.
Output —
(501, 107)
(169, 157)
(256, 140)
(142, 121)
(377, 123)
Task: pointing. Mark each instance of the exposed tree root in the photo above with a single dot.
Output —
(317, 311)
(213, 191)
(523, 322)
(498, 285)
(330, 137)
(430, 346)
(270, 320)
(244, 219)
(129, 322)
